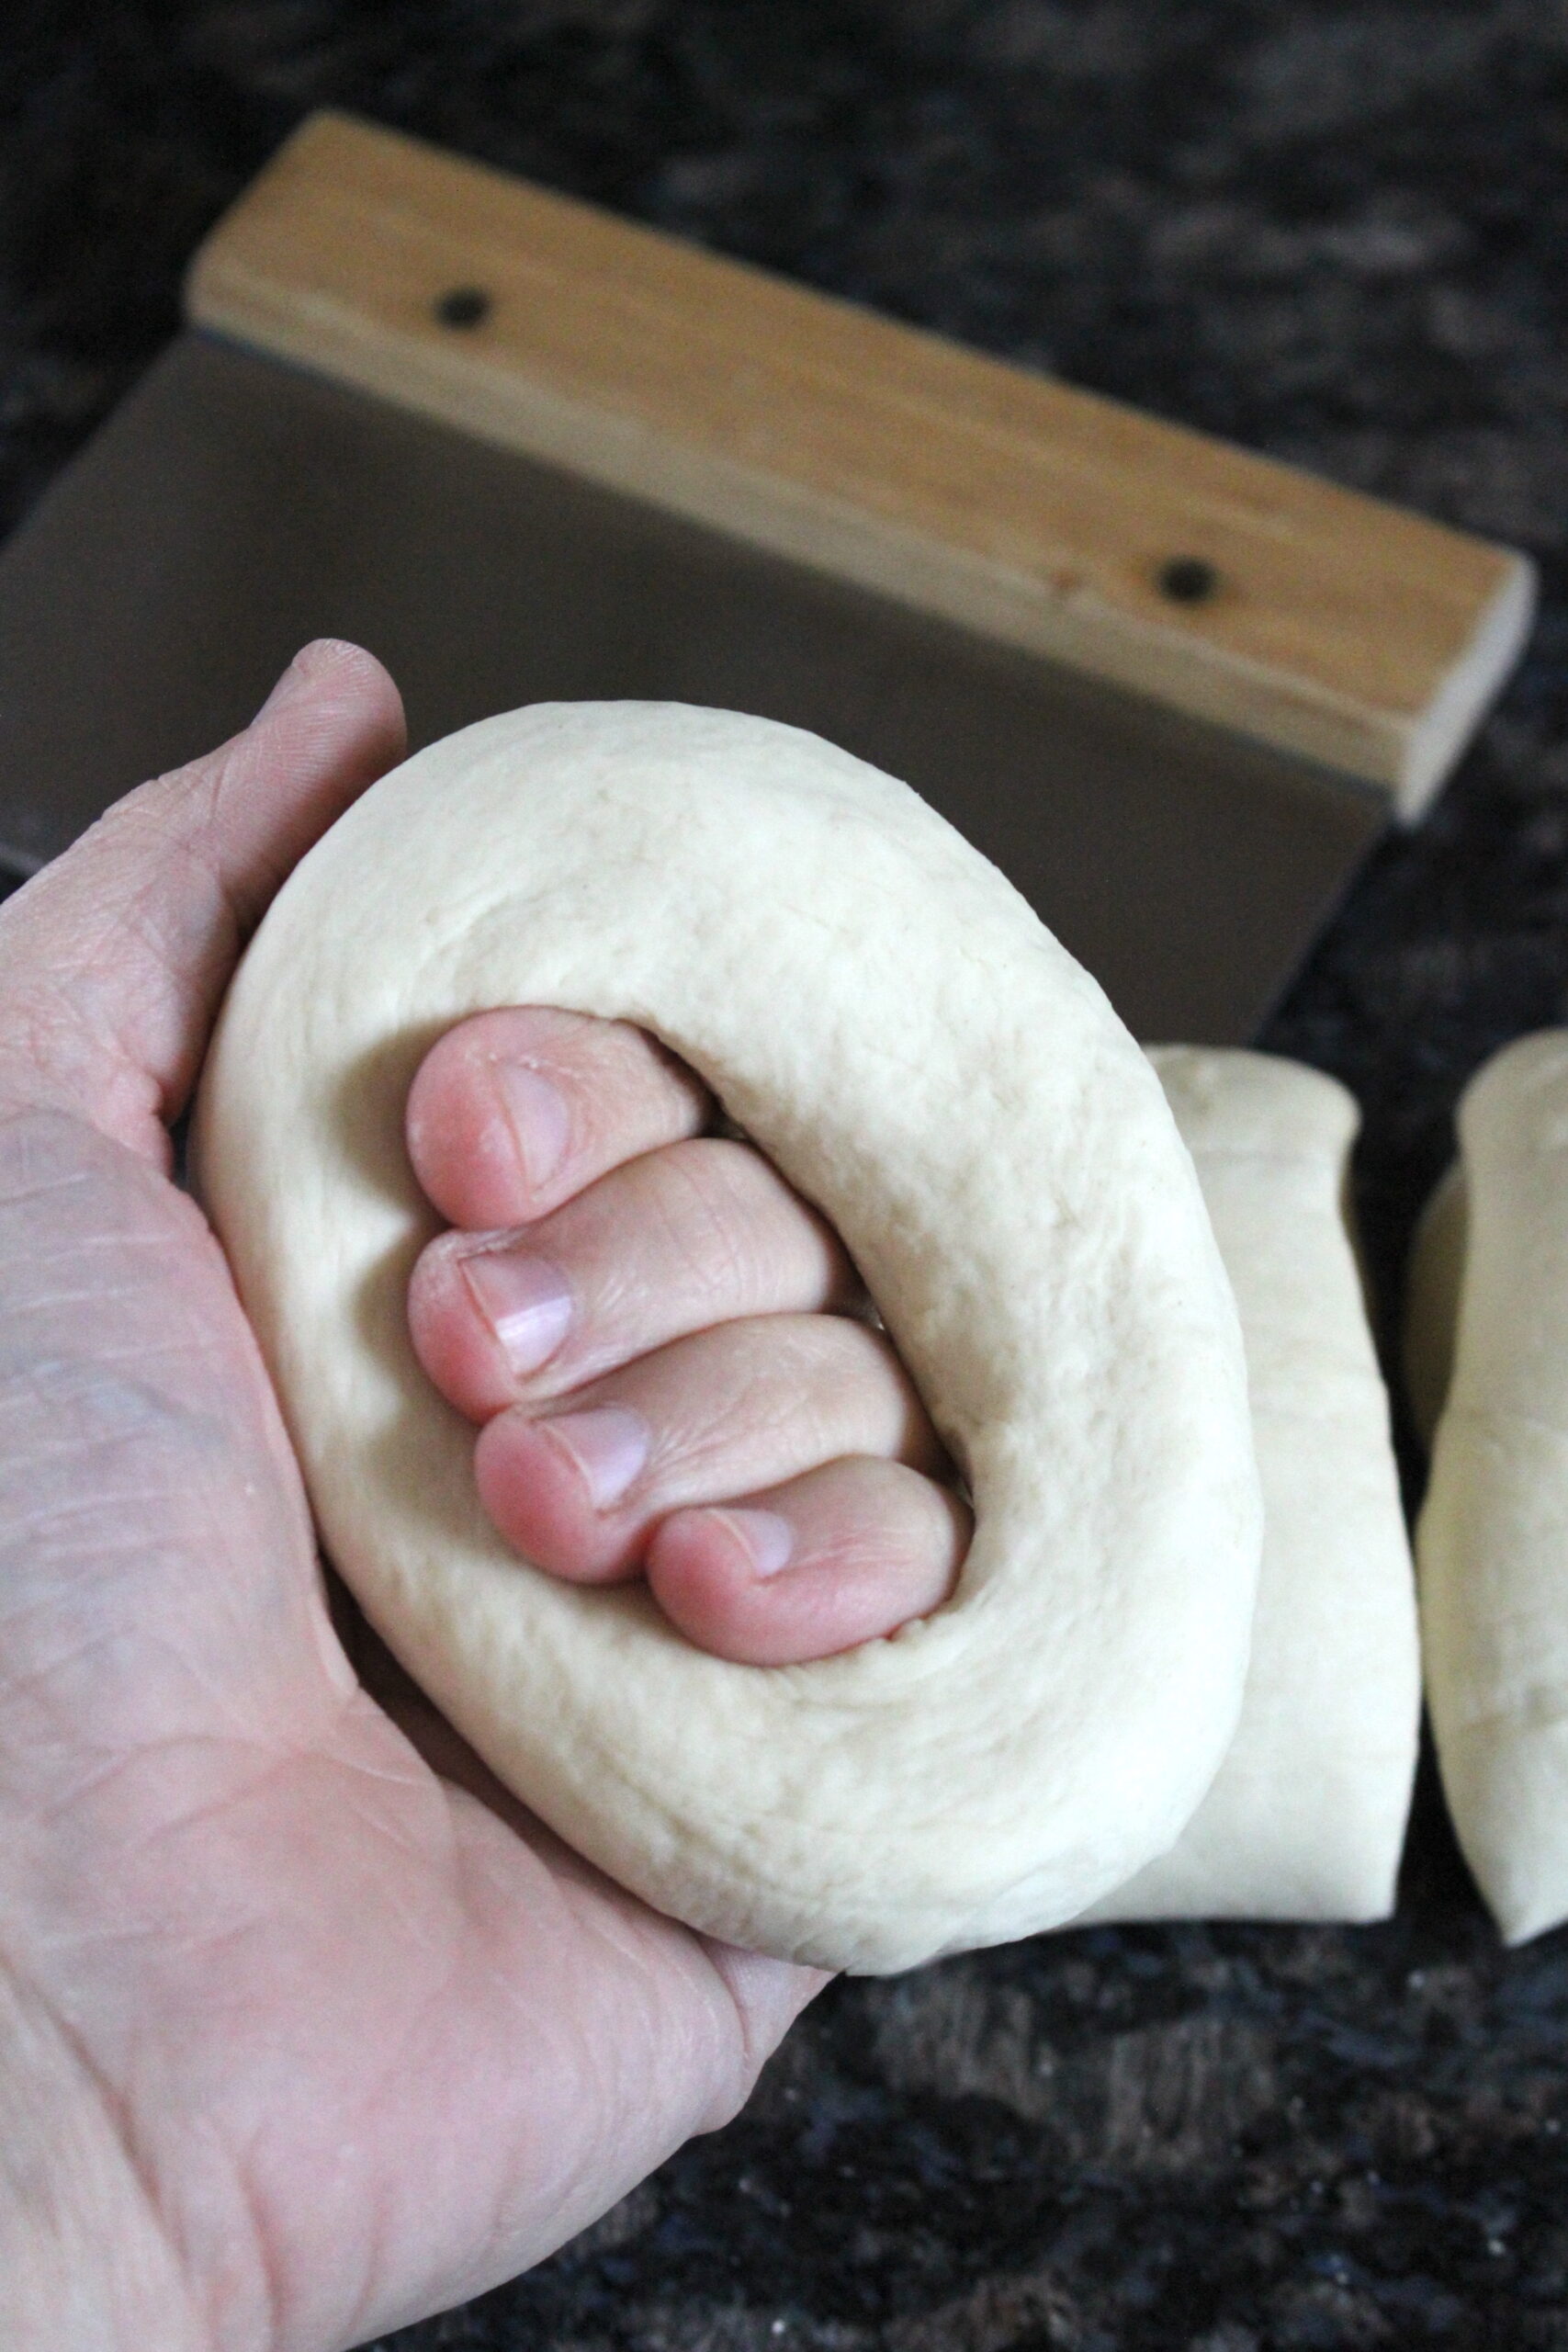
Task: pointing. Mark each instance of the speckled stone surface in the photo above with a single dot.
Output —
(1334, 233)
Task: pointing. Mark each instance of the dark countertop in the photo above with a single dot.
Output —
(1334, 233)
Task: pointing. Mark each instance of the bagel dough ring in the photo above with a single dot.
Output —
(886, 1017)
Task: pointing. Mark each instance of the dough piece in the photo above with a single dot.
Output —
(1431, 1301)
(1306, 1818)
(1492, 1542)
(884, 1014)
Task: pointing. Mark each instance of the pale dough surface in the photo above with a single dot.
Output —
(884, 1014)
(1490, 1331)
(1431, 1301)
(1307, 1815)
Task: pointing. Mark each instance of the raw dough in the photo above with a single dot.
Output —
(1431, 1301)
(1306, 1818)
(1491, 1542)
(884, 1014)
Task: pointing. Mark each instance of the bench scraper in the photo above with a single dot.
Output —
(523, 449)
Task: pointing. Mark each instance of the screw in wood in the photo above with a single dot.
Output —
(1187, 580)
(463, 306)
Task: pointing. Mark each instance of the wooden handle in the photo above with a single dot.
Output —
(1221, 582)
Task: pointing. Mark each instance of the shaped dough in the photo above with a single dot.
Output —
(1490, 1297)
(1306, 1818)
(879, 1008)
(1431, 1301)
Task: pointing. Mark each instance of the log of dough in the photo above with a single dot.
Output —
(884, 1014)
(1306, 1818)
(1431, 1302)
(1489, 1297)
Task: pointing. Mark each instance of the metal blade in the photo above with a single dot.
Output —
(233, 507)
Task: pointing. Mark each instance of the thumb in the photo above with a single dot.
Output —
(113, 960)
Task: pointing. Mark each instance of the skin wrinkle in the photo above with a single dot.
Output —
(113, 1017)
(181, 1823)
(358, 2317)
(116, 2118)
(160, 1650)
(415, 1774)
(185, 1943)
(267, 2273)
(158, 1937)
(103, 1065)
(710, 1245)
(749, 2054)
(67, 1181)
(149, 1423)
(53, 1076)
(364, 1808)
(233, 2282)
(264, 1920)
(86, 1244)
(178, 1348)
(690, 1211)
(404, 2059)
(193, 1431)
(66, 1507)
(72, 1445)
(16, 1682)
(618, 1926)
(118, 1301)
(117, 1767)
(203, 1531)
(125, 1243)
(222, 937)
(592, 2083)
(818, 1401)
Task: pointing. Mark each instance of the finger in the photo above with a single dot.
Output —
(114, 958)
(514, 1112)
(702, 1233)
(845, 1555)
(579, 1490)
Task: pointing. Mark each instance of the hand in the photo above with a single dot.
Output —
(299, 2038)
(666, 1348)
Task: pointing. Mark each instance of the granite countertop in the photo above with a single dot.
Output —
(1332, 233)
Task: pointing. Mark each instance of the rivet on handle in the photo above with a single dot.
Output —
(1187, 580)
(463, 306)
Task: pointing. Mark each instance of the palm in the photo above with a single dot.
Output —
(357, 2046)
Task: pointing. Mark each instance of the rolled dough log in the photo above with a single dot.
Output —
(1306, 1818)
(882, 1013)
(1431, 1301)
(1490, 1297)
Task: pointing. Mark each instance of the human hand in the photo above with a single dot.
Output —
(300, 2039)
(662, 1346)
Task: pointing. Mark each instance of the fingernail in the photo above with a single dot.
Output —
(610, 1445)
(768, 1539)
(526, 1301)
(537, 1115)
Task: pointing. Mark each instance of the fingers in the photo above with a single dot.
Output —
(847, 1554)
(580, 1488)
(515, 1111)
(114, 958)
(672, 1242)
(635, 1314)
